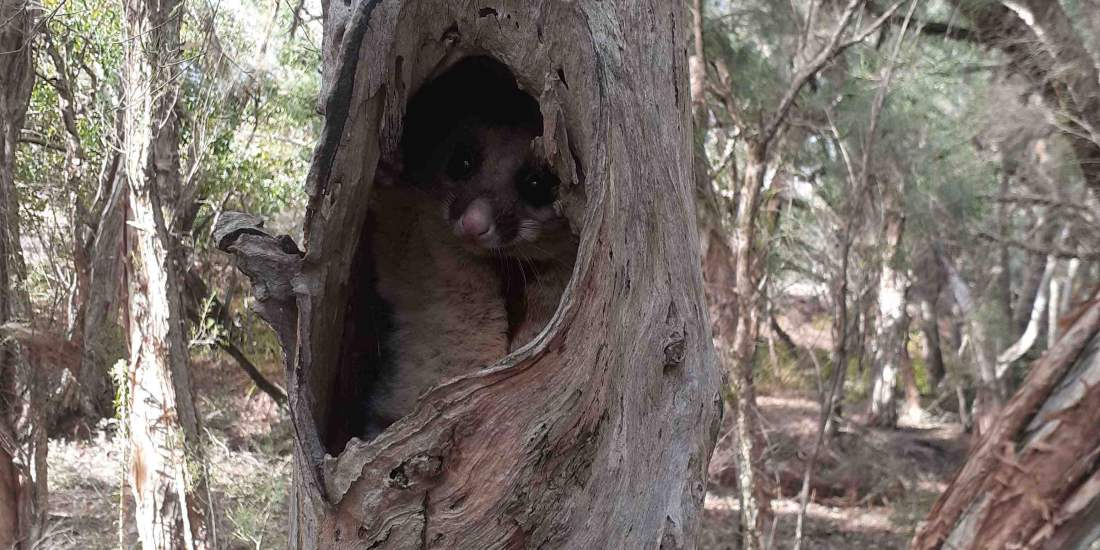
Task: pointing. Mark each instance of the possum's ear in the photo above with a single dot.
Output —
(388, 173)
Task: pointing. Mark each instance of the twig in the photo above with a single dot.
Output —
(839, 368)
(197, 290)
(1042, 249)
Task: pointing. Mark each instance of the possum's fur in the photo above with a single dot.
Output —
(448, 313)
(471, 255)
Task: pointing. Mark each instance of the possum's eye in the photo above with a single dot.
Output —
(537, 188)
(463, 162)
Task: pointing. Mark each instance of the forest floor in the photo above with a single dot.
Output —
(871, 487)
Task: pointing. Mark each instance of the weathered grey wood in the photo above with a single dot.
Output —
(595, 436)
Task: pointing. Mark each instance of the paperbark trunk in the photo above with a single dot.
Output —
(890, 355)
(167, 472)
(748, 272)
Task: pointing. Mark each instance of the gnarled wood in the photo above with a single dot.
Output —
(597, 434)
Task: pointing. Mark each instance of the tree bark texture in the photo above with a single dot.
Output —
(22, 436)
(167, 473)
(102, 305)
(1033, 481)
(748, 273)
(990, 394)
(889, 351)
(595, 435)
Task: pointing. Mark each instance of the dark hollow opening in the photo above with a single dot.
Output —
(479, 96)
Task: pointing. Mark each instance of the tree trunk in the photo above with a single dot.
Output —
(1065, 300)
(106, 256)
(614, 402)
(990, 395)
(727, 301)
(1033, 481)
(1033, 279)
(933, 350)
(23, 496)
(1004, 260)
(748, 273)
(167, 472)
(889, 351)
(1034, 323)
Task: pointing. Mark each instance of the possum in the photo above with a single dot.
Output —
(471, 257)
(499, 199)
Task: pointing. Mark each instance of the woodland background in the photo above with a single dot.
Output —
(919, 180)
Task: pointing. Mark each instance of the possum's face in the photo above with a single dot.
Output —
(496, 195)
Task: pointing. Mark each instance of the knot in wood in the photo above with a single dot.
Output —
(674, 351)
(414, 469)
(451, 37)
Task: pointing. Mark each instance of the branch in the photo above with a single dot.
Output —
(197, 291)
(67, 99)
(1031, 333)
(1036, 200)
(834, 48)
(878, 105)
(276, 393)
(931, 28)
(1041, 249)
(40, 141)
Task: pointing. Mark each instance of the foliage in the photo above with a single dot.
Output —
(248, 121)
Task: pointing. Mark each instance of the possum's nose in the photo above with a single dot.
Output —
(477, 220)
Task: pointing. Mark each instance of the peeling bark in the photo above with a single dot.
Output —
(23, 484)
(890, 355)
(615, 402)
(167, 469)
(1033, 481)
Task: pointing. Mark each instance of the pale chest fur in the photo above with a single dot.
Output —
(542, 293)
(449, 316)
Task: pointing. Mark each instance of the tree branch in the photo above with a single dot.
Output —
(40, 141)
(931, 28)
(197, 291)
(1044, 250)
(834, 48)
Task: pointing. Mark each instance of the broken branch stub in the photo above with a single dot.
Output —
(271, 263)
(615, 401)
